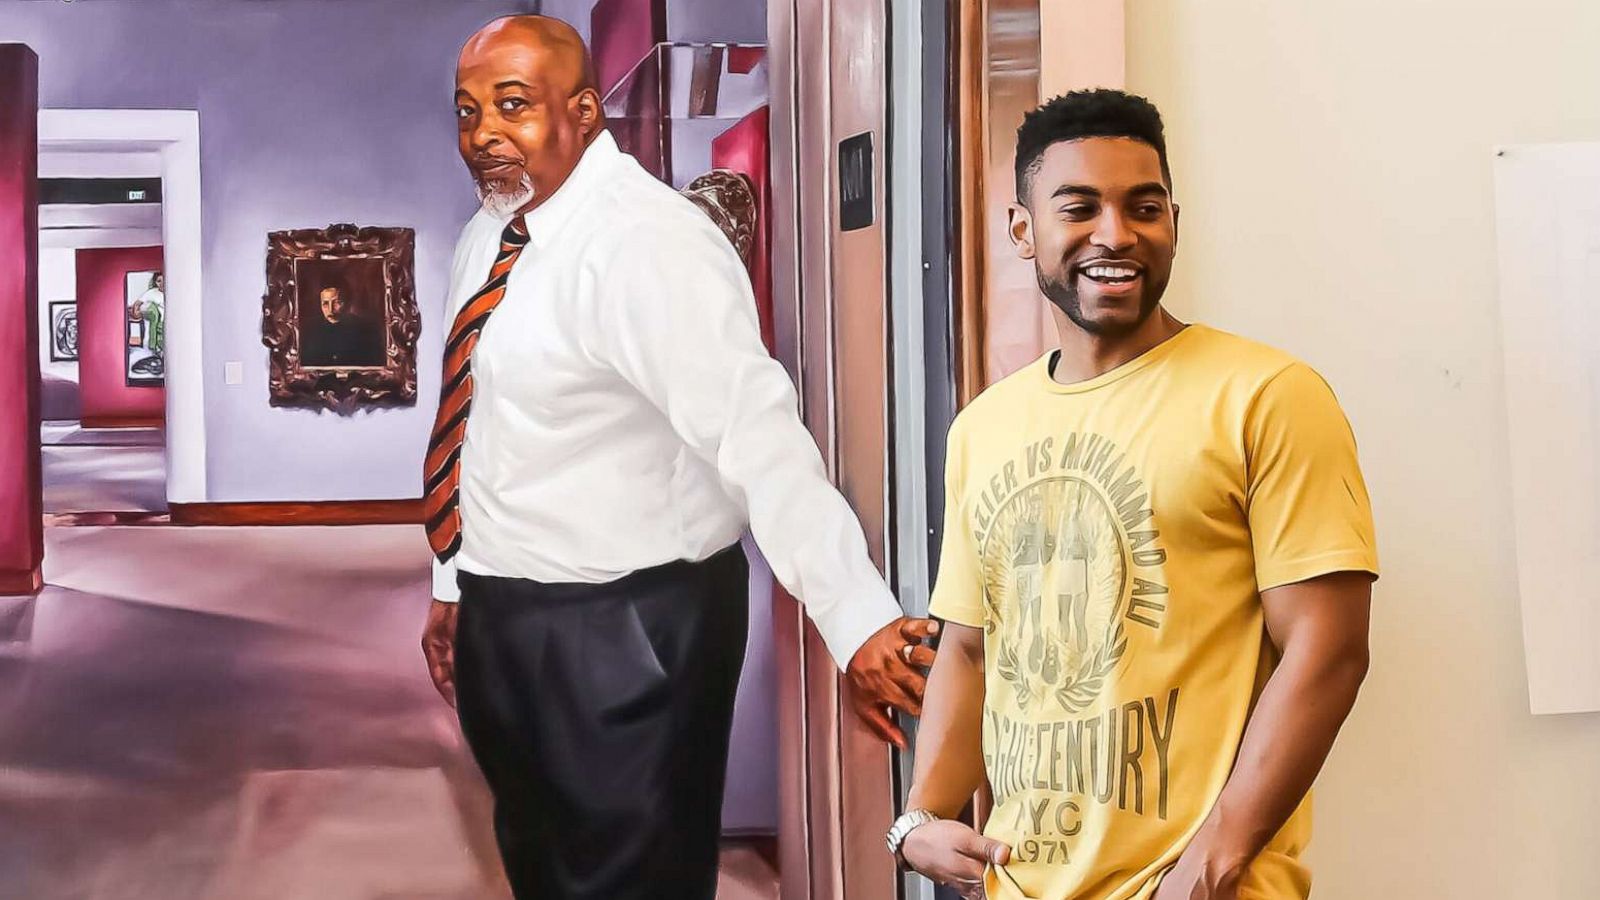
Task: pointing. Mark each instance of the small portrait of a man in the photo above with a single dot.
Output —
(338, 329)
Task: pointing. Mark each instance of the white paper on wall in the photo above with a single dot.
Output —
(1547, 209)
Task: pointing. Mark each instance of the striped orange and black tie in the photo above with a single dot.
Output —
(442, 470)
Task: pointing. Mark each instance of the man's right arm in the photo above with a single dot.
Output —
(949, 766)
(461, 273)
(949, 756)
(439, 632)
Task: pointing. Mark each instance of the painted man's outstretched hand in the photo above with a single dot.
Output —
(888, 671)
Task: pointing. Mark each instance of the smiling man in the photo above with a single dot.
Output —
(1157, 568)
(609, 425)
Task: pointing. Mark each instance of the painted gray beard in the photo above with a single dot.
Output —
(504, 204)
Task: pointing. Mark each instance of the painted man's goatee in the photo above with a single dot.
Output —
(503, 201)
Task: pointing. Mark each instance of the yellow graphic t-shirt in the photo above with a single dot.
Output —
(1112, 538)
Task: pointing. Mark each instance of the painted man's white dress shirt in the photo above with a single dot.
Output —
(626, 413)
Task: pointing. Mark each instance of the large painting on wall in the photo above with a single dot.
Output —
(63, 331)
(340, 317)
(144, 351)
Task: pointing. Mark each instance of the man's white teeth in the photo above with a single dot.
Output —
(1110, 272)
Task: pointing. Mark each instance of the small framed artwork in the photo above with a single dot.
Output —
(340, 317)
(63, 331)
(144, 352)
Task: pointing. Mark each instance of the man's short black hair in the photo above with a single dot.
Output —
(1102, 112)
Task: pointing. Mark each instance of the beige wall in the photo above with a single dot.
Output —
(1080, 47)
(1333, 163)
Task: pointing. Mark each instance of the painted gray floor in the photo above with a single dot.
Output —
(239, 713)
(103, 470)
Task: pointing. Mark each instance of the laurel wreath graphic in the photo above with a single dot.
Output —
(1010, 669)
(1080, 690)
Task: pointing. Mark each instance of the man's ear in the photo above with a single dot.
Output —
(1175, 211)
(591, 112)
(1020, 228)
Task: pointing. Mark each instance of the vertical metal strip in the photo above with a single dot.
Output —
(968, 157)
(907, 416)
(795, 838)
(785, 236)
(859, 301)
(1014, 330)
(812, 80)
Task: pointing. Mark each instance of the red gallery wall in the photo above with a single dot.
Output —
(108, 401)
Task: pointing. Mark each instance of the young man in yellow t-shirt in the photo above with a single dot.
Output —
(1157, 568)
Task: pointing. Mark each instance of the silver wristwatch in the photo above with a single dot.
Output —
(903, 826)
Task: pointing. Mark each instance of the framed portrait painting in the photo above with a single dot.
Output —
(63, 331)
(340, 317)
(144, 351)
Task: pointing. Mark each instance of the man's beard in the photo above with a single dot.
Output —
(1064, 294)
(503, 202)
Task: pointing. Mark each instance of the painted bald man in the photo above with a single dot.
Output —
(609, 426)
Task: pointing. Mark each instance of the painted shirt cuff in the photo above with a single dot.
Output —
(445, 588)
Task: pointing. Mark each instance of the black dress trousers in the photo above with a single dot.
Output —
(600, 714)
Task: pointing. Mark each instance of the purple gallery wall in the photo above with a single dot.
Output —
(311, 112)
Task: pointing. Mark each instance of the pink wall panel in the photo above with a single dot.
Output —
(743, 148)
(621, 32)
(102, 329)
(21, 506)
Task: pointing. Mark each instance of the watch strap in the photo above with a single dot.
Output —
(911, 820)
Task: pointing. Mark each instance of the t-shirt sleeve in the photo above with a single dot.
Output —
(1307, 503)
(958, 588)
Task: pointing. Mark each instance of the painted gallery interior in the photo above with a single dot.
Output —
(226, 234)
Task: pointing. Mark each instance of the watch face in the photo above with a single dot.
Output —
(903, 825)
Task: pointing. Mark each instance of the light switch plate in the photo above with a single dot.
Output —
(233, 372)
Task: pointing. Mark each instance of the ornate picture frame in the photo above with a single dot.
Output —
(63, 331)
(340, 317)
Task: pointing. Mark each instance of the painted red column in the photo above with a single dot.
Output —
(21, 498)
